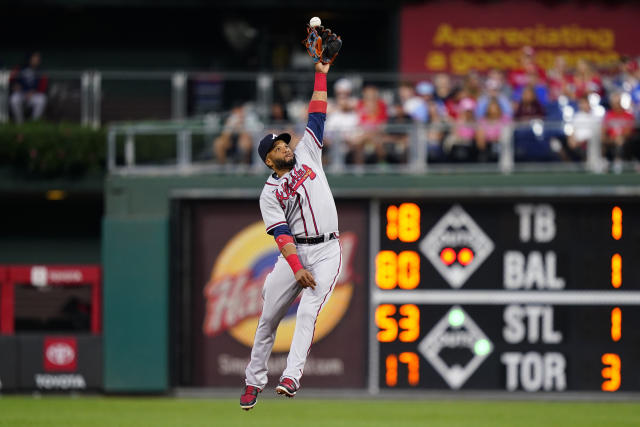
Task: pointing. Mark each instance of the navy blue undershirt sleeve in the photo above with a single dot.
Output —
(281, 229)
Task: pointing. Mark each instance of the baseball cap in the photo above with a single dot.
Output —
(343, 85)
(266, 144)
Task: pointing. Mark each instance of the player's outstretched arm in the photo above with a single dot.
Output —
(317, 106)
(320, 84)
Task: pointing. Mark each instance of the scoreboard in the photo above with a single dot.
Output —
(525, 293)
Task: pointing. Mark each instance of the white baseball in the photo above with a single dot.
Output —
(314, 22)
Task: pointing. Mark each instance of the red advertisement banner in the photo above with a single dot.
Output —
(459, 36)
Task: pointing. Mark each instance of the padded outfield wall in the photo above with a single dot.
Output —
(141, 247)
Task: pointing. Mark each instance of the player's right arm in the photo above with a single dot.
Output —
(276, 225)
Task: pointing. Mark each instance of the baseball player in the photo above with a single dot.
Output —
(299, 211)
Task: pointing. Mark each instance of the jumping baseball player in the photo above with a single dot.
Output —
(299, 211)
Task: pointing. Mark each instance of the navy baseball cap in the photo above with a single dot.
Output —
(266, 144)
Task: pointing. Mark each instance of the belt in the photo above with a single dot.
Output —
(317, 239)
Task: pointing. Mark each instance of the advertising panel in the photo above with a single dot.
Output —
(60, 362)
(459, 36)
(231, 256)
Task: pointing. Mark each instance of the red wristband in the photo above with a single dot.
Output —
(294, 263)
(320, 83)
(318, 107)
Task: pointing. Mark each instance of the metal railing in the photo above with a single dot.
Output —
(95, 97)
(189, 149)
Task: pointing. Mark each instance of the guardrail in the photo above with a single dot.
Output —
(188, 145)
(94, 97)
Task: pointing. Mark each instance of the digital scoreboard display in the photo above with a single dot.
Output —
(530, 294)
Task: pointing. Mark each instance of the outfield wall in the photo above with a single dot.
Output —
(138, 255)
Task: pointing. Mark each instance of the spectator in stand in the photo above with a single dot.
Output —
(493, 94)
(372, 115)
(634, 81)
(490, 129)
(29, 88)
(396, 137)
(443, 88)
(522, 76)
(453, 109)
(560, 80)
(529, 106)
(470, 89)
(235, 140)
(343, 91)
(626, 78)
(584, 125)
(616, 131)
(539, 87)
(341, 127)
(472, 85)
(426, 91)
(460, 145)
(372, 110)
(499, 77)
(437, 130)
(586, 80)
(408, 99)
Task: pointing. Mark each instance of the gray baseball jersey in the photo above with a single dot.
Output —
(301, 198)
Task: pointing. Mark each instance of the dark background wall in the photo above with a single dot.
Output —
(234, 35)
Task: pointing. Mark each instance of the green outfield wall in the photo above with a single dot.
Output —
(136, 247)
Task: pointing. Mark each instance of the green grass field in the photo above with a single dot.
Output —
(23, 411)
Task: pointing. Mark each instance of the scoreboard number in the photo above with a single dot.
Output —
(402, 270)
(408, 358)
(403, 222)
(611, 372)
(407, 328)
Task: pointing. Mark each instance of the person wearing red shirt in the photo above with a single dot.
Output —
(560, 80)
(616, 130)
(366, 147)
(371, 109)
(522, 76)
(586, 80)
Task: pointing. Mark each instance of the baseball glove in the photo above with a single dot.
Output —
(322, 45)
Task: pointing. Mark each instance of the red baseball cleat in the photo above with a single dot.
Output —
(249, 397)
(287, 387)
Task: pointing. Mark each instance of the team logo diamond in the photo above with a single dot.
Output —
(456, 246)
(455, 347)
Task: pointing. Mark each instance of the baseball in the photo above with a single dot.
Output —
(314, 22)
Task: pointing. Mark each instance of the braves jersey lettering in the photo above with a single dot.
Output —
(302, 198)
(289, 188)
